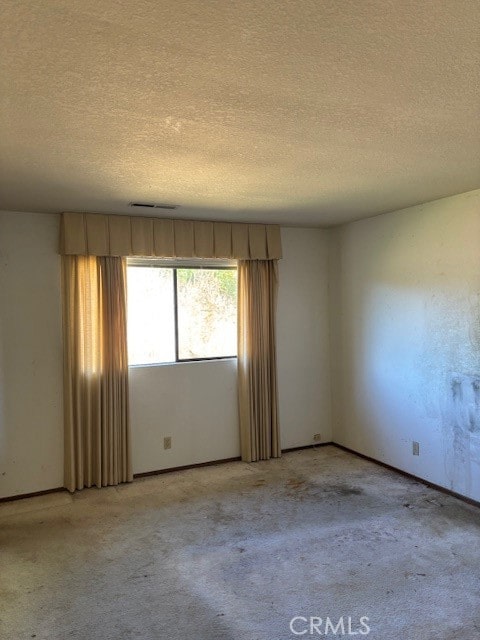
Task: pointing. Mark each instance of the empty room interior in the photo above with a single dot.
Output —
(239, 319)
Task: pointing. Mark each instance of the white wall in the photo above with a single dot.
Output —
(405, 303)
(195, 404)
(31, 436)
(303, 338)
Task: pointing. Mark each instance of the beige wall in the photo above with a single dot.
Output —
(405, 311)
(31, 437)
(303, 338)
(194, 403)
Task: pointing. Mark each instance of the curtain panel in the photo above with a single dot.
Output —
(257, 362)
(97, 435)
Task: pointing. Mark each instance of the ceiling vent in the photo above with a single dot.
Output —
(153, 205)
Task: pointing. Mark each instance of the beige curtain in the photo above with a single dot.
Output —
(97, 437)
(257, 367)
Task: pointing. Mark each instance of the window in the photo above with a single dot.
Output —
(181, 311)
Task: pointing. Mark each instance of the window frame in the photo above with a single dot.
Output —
(175, 264)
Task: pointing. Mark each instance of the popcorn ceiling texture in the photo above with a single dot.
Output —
(299, 112)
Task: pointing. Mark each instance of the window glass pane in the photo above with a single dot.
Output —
(207, 313)
(151, 320)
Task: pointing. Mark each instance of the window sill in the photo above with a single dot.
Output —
(180, 362)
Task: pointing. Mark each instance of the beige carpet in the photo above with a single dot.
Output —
(236, 551)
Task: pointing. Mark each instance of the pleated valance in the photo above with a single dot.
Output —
(115, 235)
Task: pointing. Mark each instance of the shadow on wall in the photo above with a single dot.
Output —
(3, 421)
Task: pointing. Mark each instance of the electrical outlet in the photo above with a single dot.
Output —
(416, 448)
(167, 443)
(317, 437)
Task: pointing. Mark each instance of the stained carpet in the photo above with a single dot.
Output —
(238, 551)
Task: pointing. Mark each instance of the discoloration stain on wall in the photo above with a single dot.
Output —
(456, 386)
(476, 393)
(461, 431)
(474, 332)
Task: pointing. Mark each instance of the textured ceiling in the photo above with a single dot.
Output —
(307, 112)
